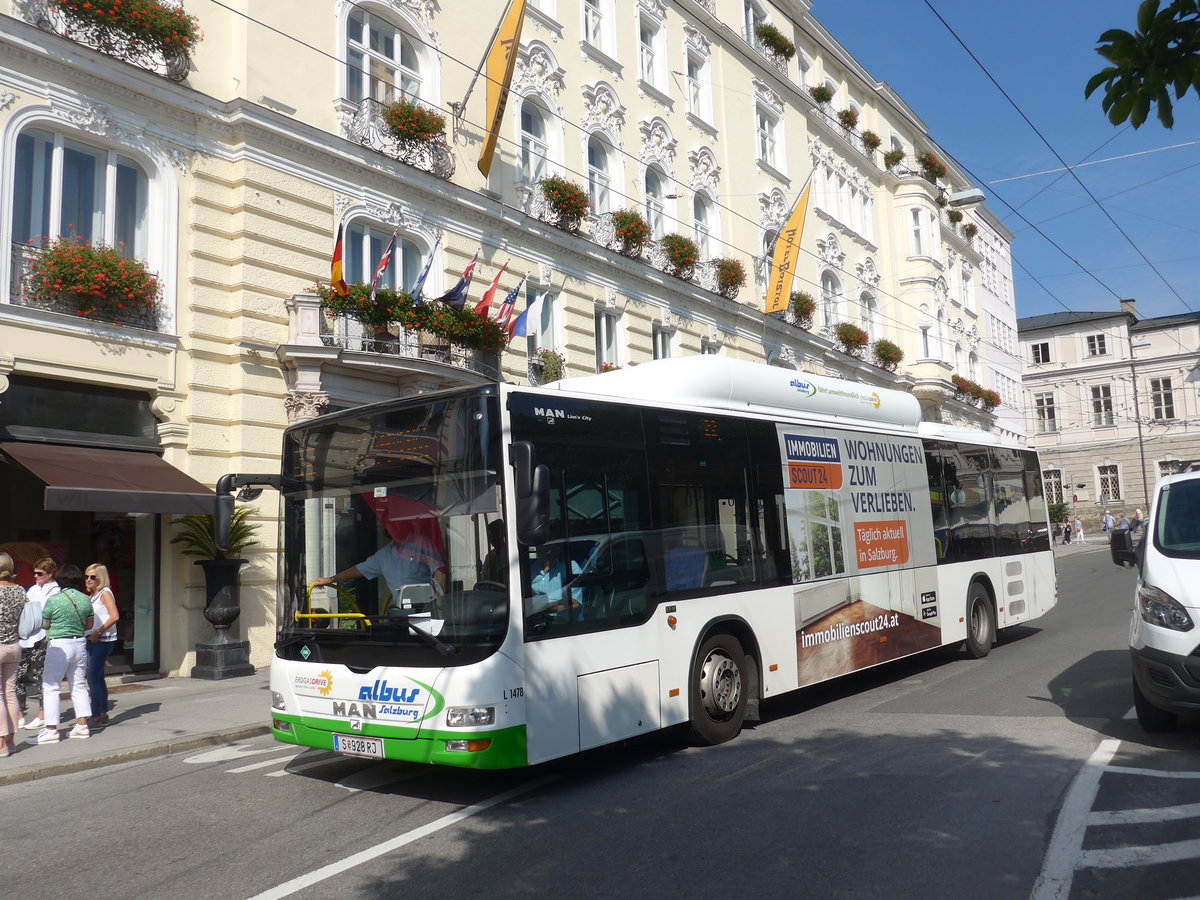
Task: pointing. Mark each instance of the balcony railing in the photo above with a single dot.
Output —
(23, 256)
(110, 40)
(367, 127)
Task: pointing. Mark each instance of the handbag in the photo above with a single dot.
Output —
(31, 619)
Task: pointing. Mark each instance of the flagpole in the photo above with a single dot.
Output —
(459, 108)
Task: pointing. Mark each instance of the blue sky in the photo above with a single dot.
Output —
(1042, 54)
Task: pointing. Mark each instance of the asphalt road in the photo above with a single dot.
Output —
(1014, 776)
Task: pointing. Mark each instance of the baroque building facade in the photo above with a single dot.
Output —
(229, 168)
(1112, 403)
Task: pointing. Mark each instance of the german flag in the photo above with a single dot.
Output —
(336, 280)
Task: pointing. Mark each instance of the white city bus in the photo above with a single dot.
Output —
(676, 542)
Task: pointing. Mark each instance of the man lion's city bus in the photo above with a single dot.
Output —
(525, 573)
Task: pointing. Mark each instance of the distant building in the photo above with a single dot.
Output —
(1112, 402)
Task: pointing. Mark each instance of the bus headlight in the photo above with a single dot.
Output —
(468, 716)
(277, 700)
(1161, 609)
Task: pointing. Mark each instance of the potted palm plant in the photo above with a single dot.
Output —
(223, 657)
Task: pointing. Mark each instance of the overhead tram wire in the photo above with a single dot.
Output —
(897, 323)
(1058, 156)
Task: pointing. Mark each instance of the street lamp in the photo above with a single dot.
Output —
(969, 197)
(1137, 414)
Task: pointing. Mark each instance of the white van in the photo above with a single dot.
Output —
(1164, 634)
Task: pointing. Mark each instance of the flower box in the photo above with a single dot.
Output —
(852, 338)
(553, 364)
(887, 355)
(567, 200)
(871, 141)
(774, 40)
(804, 307)
(731, 275)
(94, 281)
(848, 117)
(134, 30)
(631, 231)
(681, 253)
(409, 122)
(821, 93)
(931, 166)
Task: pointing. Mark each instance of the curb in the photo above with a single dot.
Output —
(147, 751)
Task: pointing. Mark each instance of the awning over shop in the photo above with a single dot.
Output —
(86, 479)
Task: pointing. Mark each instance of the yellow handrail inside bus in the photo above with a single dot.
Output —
(359, 618)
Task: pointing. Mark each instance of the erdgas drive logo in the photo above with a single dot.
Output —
(321, 683)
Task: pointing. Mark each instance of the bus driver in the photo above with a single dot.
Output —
(410, 561)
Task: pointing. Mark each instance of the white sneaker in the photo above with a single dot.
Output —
(48, 736)
(80, 731)
(34, 724)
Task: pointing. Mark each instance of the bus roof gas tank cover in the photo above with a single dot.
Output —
(719, 382)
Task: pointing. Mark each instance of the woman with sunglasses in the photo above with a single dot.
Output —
(101, 639)
(33, 648)
(12, 601)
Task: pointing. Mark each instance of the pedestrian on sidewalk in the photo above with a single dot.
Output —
(12, 601)
(1066, 531)
(33, 648)
(1139, 519)
(101, 639)
(1109, 521)
(1079, 531)
(68, 616)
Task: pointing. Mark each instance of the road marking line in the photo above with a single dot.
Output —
(304, 881)
(1058, 868)
(1138, 816)
(265, 763)
(1123, 857)
(325, 760)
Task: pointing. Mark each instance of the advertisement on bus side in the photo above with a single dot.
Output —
(859, 529)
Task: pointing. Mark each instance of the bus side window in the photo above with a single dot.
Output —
(969, 529)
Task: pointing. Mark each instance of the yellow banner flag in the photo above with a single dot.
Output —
(501, 60)
(787, 248)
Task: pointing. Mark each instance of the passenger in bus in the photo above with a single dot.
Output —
(550, 583)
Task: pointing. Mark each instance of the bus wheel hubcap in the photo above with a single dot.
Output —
(720, 685)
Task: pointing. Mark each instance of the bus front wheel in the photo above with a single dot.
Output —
(981, 621)
(719, 689)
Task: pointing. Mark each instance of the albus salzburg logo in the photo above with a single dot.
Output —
(804, 388)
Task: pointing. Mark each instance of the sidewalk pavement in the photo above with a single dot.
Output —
(148, 718)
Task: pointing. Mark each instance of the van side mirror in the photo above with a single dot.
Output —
(1120, 546)
(532, 495)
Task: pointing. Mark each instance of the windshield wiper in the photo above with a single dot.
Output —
(432, 640)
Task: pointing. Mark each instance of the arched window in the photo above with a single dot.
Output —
(364, 248)
(654, 201)
(831, 293)
(383, 62)
(702, 224)
(599, 176)
(973, 366)
(65, 187)
(869, 309)
(534, 146)
(958, 357)
(941, 335)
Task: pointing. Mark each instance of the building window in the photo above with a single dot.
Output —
(598, 175)
(654, 202)
(1162, 398)
(917, 232)
(606, 339)
(806, 70)
(973, 366)
(1102, 407)
(753, 15)
(1052, 485)
(869, 307)
(767, 126)
(652, 67)
(831, 297)
(925, 346)
(1045, 421)
(364, 249)
(63, 187)
(1109, 479)
(662, 342)
(382, 61)
(1041, 353)
(1168, 467)
(709, 347)
(1096, 345)
(542, 331)
(534, 149)
(699, 87)
(598, 24)
(702, 225)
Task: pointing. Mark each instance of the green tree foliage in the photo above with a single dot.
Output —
(1161, 56)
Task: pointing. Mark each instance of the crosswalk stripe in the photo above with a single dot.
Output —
(1137, 816)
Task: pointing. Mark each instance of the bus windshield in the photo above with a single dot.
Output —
(402, 507)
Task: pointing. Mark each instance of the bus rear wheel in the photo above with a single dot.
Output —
(719, 690)
(981, 621)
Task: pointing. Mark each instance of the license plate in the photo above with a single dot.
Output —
(370, 748)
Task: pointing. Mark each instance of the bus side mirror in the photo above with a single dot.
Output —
(1120, 545)
(533, 495)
